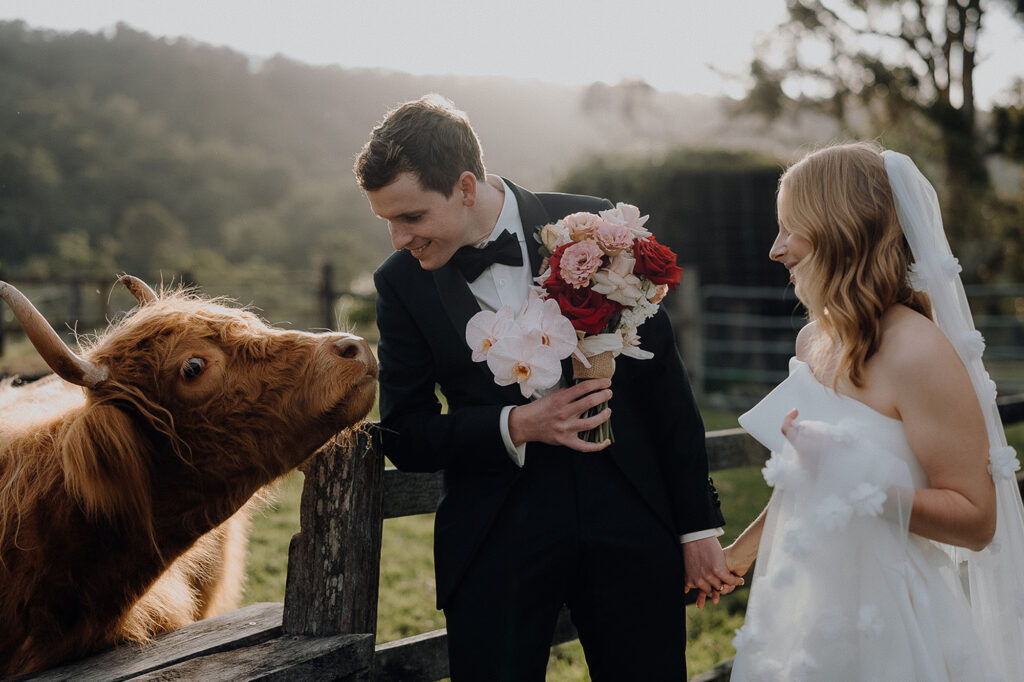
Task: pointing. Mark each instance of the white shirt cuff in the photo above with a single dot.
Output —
(518, 454)
(701, 534)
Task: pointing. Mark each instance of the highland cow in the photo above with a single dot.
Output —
(120, 500)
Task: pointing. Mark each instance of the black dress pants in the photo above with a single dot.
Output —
(572, 531)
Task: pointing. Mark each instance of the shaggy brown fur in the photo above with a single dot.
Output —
(119, 505)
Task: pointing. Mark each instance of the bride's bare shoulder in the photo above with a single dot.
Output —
(805, 340)
(912, 343)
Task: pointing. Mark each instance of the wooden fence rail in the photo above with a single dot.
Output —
(325, 629)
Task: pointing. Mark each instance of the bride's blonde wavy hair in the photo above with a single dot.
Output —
(839, 199)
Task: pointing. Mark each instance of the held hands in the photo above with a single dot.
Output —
(706, 570)
(737, 560)
(555, 419)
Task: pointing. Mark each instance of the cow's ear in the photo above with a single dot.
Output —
(104, 463)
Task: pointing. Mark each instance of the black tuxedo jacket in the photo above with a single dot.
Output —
(422, 316)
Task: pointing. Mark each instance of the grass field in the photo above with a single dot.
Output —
(406, 605)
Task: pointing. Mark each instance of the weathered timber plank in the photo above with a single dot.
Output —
(334, 560)
(720, 673)
(424, 657)
(734, 448)
(289, 658)
(409, 493)
(420, 658)
(249, 625)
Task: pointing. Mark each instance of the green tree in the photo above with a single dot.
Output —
(151, 239)
(905, 66)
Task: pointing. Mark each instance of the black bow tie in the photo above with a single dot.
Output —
(473, 260)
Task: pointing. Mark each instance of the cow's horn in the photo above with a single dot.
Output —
(58, 356)
(140, 290)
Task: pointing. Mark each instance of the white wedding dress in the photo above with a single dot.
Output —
(841, 590)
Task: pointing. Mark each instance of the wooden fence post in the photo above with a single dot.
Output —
(334, 560)
(691, 333)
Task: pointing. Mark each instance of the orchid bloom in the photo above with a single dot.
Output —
(525, 360)
(555, 329)
(485, 329)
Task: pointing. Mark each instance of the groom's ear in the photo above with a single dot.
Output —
(466, 186)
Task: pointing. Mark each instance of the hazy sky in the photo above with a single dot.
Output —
(671, 44)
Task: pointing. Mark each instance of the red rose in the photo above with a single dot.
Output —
(656, 262)
(588, 310)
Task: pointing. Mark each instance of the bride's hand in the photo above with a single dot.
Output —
(737, 560)
(788, 426)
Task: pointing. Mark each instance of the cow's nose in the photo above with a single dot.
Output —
(348, 347)
(355, 348)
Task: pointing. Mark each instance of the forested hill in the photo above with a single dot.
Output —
(122, 151)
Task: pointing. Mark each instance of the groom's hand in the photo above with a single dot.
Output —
(556, 418)
(706, 570)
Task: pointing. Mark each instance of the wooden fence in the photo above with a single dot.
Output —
(305, 299)
(325, 628)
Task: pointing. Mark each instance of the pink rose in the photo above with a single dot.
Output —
(581, 225)
(613, 237)
(579, 261)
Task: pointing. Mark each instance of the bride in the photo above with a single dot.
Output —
(893, 545)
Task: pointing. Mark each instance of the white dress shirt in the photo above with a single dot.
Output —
(501, 285)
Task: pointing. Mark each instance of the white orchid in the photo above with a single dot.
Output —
(524, 360)
(545, 317)
(486, 328)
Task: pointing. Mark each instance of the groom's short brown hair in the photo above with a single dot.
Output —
(427, 137)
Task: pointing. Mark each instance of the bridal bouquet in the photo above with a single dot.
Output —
(608, 274)
(603, 275)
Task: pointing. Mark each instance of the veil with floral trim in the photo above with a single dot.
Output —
(993, 577)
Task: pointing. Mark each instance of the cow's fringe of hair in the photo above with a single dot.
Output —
(97, 458)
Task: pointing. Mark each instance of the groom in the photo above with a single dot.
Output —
(532, 516)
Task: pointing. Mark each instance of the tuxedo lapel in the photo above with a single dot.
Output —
(534, 216)
(460, 305)
(458, 301)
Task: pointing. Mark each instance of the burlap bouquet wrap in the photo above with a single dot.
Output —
(602, 366)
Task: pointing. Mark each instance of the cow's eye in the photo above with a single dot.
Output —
(192, 368)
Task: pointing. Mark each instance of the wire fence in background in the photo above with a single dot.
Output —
(748, 335)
